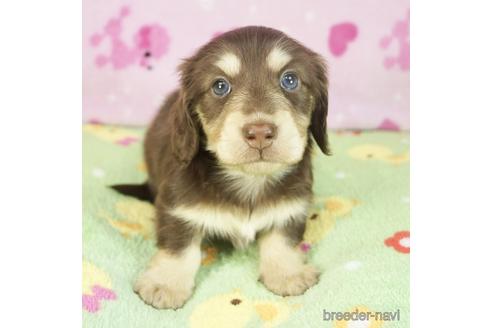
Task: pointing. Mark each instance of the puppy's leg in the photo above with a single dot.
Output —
(169, 278)
(282, 265)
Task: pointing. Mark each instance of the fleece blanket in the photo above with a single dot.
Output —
(357, 235)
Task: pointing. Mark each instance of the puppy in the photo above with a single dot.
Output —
(229, 155)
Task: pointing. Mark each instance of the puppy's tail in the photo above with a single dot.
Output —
(139, 191)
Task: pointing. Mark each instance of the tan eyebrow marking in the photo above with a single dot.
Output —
(277, 58)
(229, 63)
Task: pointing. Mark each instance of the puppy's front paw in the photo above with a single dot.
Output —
(290, 284)
(158, 293)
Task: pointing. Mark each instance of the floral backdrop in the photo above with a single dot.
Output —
(131, 50)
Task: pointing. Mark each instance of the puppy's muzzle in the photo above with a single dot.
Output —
(259, 135)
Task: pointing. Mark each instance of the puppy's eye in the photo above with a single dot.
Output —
(221, 87)
(289, 81)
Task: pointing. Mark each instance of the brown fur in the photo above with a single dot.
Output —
(182, 171)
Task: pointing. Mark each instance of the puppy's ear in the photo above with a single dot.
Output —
(320, 110)
(184, 134)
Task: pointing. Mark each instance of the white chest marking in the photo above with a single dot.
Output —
(236, 223)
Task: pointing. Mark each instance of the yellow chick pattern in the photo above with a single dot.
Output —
(379, 153)
(135, 217)
(235, 310)
(320, 222)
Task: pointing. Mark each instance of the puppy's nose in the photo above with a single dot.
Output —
(259, 135)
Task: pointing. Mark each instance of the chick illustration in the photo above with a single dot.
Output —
(398, 159)
(338, 206)
(379, 153)
(135, 217)
(321, 221)
(235, 310)
(273, 314)
(120, 136)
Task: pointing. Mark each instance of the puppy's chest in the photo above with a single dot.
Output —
(241, 225)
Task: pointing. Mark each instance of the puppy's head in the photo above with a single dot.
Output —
(257, 95)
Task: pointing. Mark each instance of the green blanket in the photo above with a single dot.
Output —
(357, 235)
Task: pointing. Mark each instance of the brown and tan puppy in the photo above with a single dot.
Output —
(229, 155)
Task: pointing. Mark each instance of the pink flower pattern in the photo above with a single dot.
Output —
(91, 303)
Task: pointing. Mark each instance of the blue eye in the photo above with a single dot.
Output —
(289, 81)
(221, 87)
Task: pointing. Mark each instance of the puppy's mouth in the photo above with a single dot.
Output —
(266, 156)
(260, 167)
(252, 156)
(259, 162)
(260, 157)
